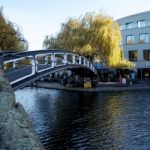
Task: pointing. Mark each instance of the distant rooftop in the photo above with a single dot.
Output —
(145, 12)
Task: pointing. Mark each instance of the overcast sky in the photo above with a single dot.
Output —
(44, 17)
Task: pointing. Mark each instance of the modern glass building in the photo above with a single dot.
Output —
(135, 31)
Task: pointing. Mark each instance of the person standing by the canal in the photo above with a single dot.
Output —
(120, 78)
(146, 76)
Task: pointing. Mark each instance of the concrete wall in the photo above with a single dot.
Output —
(16, 131)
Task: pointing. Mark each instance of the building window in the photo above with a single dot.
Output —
(141, 23)
(144, 38)
(133, 55)
(147, 23)
(146, 55)
(130, 25)
(130, 39)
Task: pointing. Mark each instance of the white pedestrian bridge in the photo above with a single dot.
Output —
(24, 68)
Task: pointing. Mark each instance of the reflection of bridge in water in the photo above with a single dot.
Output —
(24, 68)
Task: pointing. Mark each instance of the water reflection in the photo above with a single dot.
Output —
(80, 120)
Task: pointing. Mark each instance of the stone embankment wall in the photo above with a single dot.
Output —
(16, 131)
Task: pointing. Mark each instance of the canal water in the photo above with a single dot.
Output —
(89, 121)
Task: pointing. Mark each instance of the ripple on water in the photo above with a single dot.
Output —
(89, 121)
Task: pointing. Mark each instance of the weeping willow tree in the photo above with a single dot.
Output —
(94, 36)
(11, 37)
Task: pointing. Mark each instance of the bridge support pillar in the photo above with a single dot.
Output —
(80, 60)
(84, 62)
(46, 60)
(65, 59)
(14, 64)
(53, 60)
(33, 66)
(88, 63)
(74, 59)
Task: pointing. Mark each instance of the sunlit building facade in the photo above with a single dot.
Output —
(135, 31)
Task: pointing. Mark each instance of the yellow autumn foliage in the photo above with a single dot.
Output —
(95, 36)
(11, 38)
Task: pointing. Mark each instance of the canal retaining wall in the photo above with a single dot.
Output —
(16, 131)
(102, 88)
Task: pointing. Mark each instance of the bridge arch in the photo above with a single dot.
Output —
(39, 64)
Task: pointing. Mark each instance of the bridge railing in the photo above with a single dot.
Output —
(40, 61)
(18, 72)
